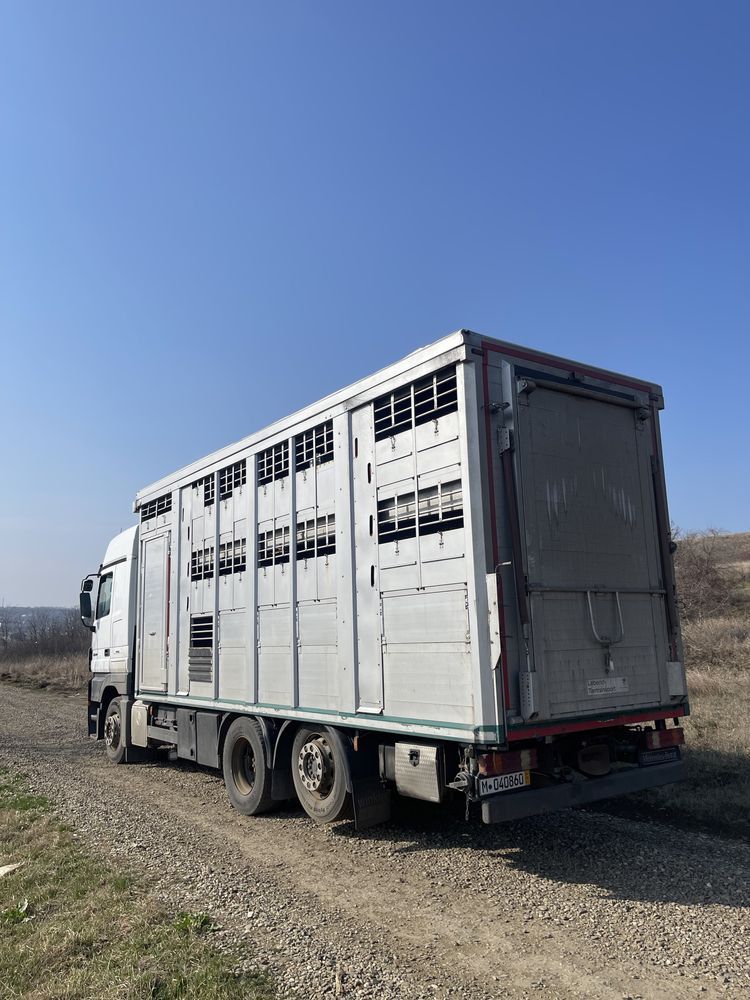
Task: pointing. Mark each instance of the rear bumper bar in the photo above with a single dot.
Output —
(529, 802)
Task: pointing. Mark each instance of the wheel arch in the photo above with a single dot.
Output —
(266, 729)
(343, 743)
(282, 785)
(108, 695)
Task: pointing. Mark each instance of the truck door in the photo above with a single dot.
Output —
(102, 641)
(595, 598)
(154, 613)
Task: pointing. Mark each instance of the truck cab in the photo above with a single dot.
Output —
(107, 604)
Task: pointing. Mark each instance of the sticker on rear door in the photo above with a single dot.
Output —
(598, 686)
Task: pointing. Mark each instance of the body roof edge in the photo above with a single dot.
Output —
(427, 353)
(557, 360)
(421, 355)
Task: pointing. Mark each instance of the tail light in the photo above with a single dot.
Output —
(496, 762)
(657, 739)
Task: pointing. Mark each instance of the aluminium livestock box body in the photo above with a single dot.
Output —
(470, 546)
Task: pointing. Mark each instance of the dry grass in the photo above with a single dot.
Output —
(733, 547)
(717, 646)
(69, 672)
(71, 929)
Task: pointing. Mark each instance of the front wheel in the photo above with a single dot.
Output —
(319, 776)
(114, 738)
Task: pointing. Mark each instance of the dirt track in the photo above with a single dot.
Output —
(579, 904)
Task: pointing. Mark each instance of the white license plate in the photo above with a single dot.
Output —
(504, 782)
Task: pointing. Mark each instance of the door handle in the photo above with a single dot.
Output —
(152, 633)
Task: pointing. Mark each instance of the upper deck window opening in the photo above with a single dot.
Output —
(208, 485)
(273, 463)
(231, 478)
(426, 399)
(435, 395)
(162, 505)
(393, 413)
(314, 447)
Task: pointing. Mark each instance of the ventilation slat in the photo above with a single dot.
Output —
(202, 631)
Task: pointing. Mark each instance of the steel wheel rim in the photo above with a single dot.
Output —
(316, 768)
(243, 766)
(112, 731)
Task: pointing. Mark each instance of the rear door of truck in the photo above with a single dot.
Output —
(589, 519)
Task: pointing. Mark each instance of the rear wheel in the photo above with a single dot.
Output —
(319, 774)
(247, 774)
(114, 738)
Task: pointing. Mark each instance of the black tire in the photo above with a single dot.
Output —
(247, 773)
(319, 775)
(114, 738)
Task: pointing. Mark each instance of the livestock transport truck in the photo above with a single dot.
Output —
(453, 577)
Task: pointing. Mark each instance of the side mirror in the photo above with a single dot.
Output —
(84, 601)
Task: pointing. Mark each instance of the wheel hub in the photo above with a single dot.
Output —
(112, 731)
(243, 766)
(315, 766)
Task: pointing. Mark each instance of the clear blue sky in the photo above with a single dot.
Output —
(211, 214)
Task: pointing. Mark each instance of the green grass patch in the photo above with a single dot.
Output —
(14, 796)
(193, 923)
(72, 929)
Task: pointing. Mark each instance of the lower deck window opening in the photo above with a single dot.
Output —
(273, 546)
(233, 557)
(202, 563)
(316, 537)
(438, 508)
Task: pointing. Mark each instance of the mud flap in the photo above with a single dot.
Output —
(371, 800)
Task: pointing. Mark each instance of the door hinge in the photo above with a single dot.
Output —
(504, 442)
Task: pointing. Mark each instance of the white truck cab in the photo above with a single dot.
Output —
(108, 603)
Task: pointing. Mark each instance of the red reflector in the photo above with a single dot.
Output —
(656, 739)
(495, 762)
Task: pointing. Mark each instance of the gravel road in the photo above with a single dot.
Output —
(577, 904)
